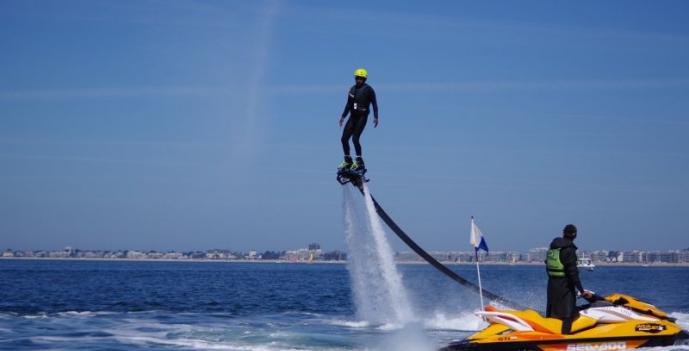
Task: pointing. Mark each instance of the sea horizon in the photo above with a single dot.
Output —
(261, 261)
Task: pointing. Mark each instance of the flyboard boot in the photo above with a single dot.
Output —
(358, 166)
(345, 165)
(353, 172)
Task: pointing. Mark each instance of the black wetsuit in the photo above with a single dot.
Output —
(561, 294)
(358, 102)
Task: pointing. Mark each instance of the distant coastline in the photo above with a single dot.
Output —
(314, 253)
(263, 261)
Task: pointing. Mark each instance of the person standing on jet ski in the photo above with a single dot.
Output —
(361, 95)
(563, 279)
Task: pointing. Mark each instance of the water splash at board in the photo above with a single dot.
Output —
(378, 290)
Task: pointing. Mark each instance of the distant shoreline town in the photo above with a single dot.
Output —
(314, 253)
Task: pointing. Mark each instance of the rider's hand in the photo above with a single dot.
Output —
(341, 121)
(375, 123)
(587, 294)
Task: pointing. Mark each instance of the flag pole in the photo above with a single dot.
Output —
(480, 288)
(478, 270)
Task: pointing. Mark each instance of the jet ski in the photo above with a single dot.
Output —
(613, 322)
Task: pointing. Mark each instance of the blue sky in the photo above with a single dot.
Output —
(213, 124)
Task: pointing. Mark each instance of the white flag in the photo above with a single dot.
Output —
(476, 237)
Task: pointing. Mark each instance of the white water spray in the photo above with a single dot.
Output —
(378, 290)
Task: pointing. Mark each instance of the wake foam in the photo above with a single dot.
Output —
(408, 338)
(682, 319)
(467, 322)
(349, 324)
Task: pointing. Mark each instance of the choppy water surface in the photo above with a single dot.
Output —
(98, 305)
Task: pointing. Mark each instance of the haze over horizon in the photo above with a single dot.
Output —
(208, 124)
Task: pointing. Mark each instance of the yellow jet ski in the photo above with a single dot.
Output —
(614, 322)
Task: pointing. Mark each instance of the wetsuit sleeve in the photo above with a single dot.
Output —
(568, 257)
(374, 101)
(348, 105)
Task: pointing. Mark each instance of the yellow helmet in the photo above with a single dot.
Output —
(360, 72)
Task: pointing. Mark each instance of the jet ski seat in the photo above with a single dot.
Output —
(540, 323)
(582, 323)
(554, 325)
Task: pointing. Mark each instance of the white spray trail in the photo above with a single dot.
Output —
(378, 290)
(358, 257)
(393, 279)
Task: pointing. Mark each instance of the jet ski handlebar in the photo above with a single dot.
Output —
(593, 297)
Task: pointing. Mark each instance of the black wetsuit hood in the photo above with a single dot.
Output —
(561, 243)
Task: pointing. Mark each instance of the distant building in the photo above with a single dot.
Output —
(613, 256)
(683, 256)
(442, 256)
(407, 256)
(92, 254)
(671, 256)
(634, 256)
(196, 255)
(537, 254)
(58, 254)
(217, 254)
(314, 246)
(271, 255)
(299, 255)
(513, 257)
(600, 256)
(336, 255)
(135, 255)
(503, 256)
(315, 252)
(154, 255)
(173, 255)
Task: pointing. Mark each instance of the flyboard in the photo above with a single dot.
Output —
(354, 176)
(357, 178)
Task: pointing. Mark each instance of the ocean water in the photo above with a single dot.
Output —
(115, 305)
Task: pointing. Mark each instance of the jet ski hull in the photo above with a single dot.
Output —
(616, 322)
(591, 344)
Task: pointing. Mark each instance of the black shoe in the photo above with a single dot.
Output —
(358, 165)
(346, 164)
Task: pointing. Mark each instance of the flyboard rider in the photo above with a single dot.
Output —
(361, 97)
